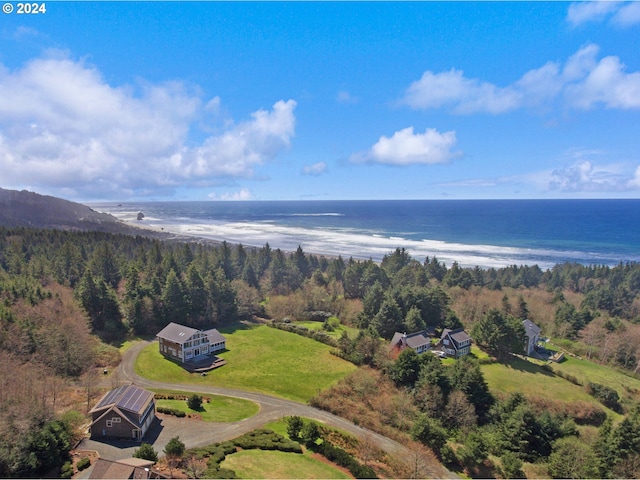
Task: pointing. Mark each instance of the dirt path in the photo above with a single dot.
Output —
(194, 433)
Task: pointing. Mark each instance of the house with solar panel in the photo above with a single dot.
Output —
(124, 412)
(191, 347)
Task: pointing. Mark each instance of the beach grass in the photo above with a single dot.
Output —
(259, 359)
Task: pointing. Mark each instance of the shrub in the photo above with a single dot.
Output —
(67, 470)
(605, 395)
(83, 463)
(146, 452)
(195, 402)
(171, 411)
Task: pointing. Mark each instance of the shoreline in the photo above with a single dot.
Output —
(350, 235)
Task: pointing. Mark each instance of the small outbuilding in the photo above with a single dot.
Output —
(124, 412)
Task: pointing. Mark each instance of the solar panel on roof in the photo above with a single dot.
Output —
(133, 399)
(111, 397)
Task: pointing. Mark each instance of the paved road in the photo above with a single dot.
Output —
(204, 433)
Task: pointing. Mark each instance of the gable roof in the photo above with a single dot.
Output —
(174, 332)
(215, 336)
(458, 335)
(530, 328)
(127, 399)
(124, 469)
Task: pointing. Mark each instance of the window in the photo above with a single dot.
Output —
(109, 424)
(116, 419)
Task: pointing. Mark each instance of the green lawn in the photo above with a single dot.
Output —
(586, 371)
(218, 409)
(530, 379)
(275, 464)
(260, 359)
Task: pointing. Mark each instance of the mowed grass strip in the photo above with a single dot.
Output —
(259, 359)
(275, 464)
(218, 409)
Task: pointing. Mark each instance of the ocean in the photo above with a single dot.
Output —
(486, 233)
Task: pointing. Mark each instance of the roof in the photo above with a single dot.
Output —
(215, 336)
(413, 340)
(174, 332)
(121, 469)
(127, 398)
(458, 335)
(531, 329)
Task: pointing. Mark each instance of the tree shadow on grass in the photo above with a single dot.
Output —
(522, 365)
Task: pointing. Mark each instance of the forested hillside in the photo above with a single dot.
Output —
(67, 297)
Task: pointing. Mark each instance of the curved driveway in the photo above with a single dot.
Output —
(271, 409)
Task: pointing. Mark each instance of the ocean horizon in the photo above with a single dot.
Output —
(484, 233)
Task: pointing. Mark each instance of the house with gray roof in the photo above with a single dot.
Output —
(124, 412)
(455, 343)
(128, 468)
(419, 341)
(532, 332)
(189, 345)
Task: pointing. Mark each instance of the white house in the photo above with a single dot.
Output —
(185, 343)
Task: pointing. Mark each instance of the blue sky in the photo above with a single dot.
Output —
(310, 101)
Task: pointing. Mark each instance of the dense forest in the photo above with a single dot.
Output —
(67, 299)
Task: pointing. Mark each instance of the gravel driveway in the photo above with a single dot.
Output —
(195, 433)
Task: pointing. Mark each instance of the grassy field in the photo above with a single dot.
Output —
(260, 359)
(586, 371)
(530, 379)
(275, 464)
(337, 333)
(218, 409)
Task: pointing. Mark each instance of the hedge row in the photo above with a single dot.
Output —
(342, 458)
(171, 411)
(317, 335)
(262, 439)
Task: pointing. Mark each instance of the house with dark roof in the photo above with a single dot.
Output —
(455, 343)
(532, 332)
(124, 412)
(186, 344)
(418, 341)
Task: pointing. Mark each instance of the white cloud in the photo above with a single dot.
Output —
(606, 84)
(408, 148)
(316, 169)
(585, 176)
(590, 11)
(634, 183)
(582, 82)
(621, 14)
(435, 90)
(243, 194)
(628, 15)
(64, 128)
